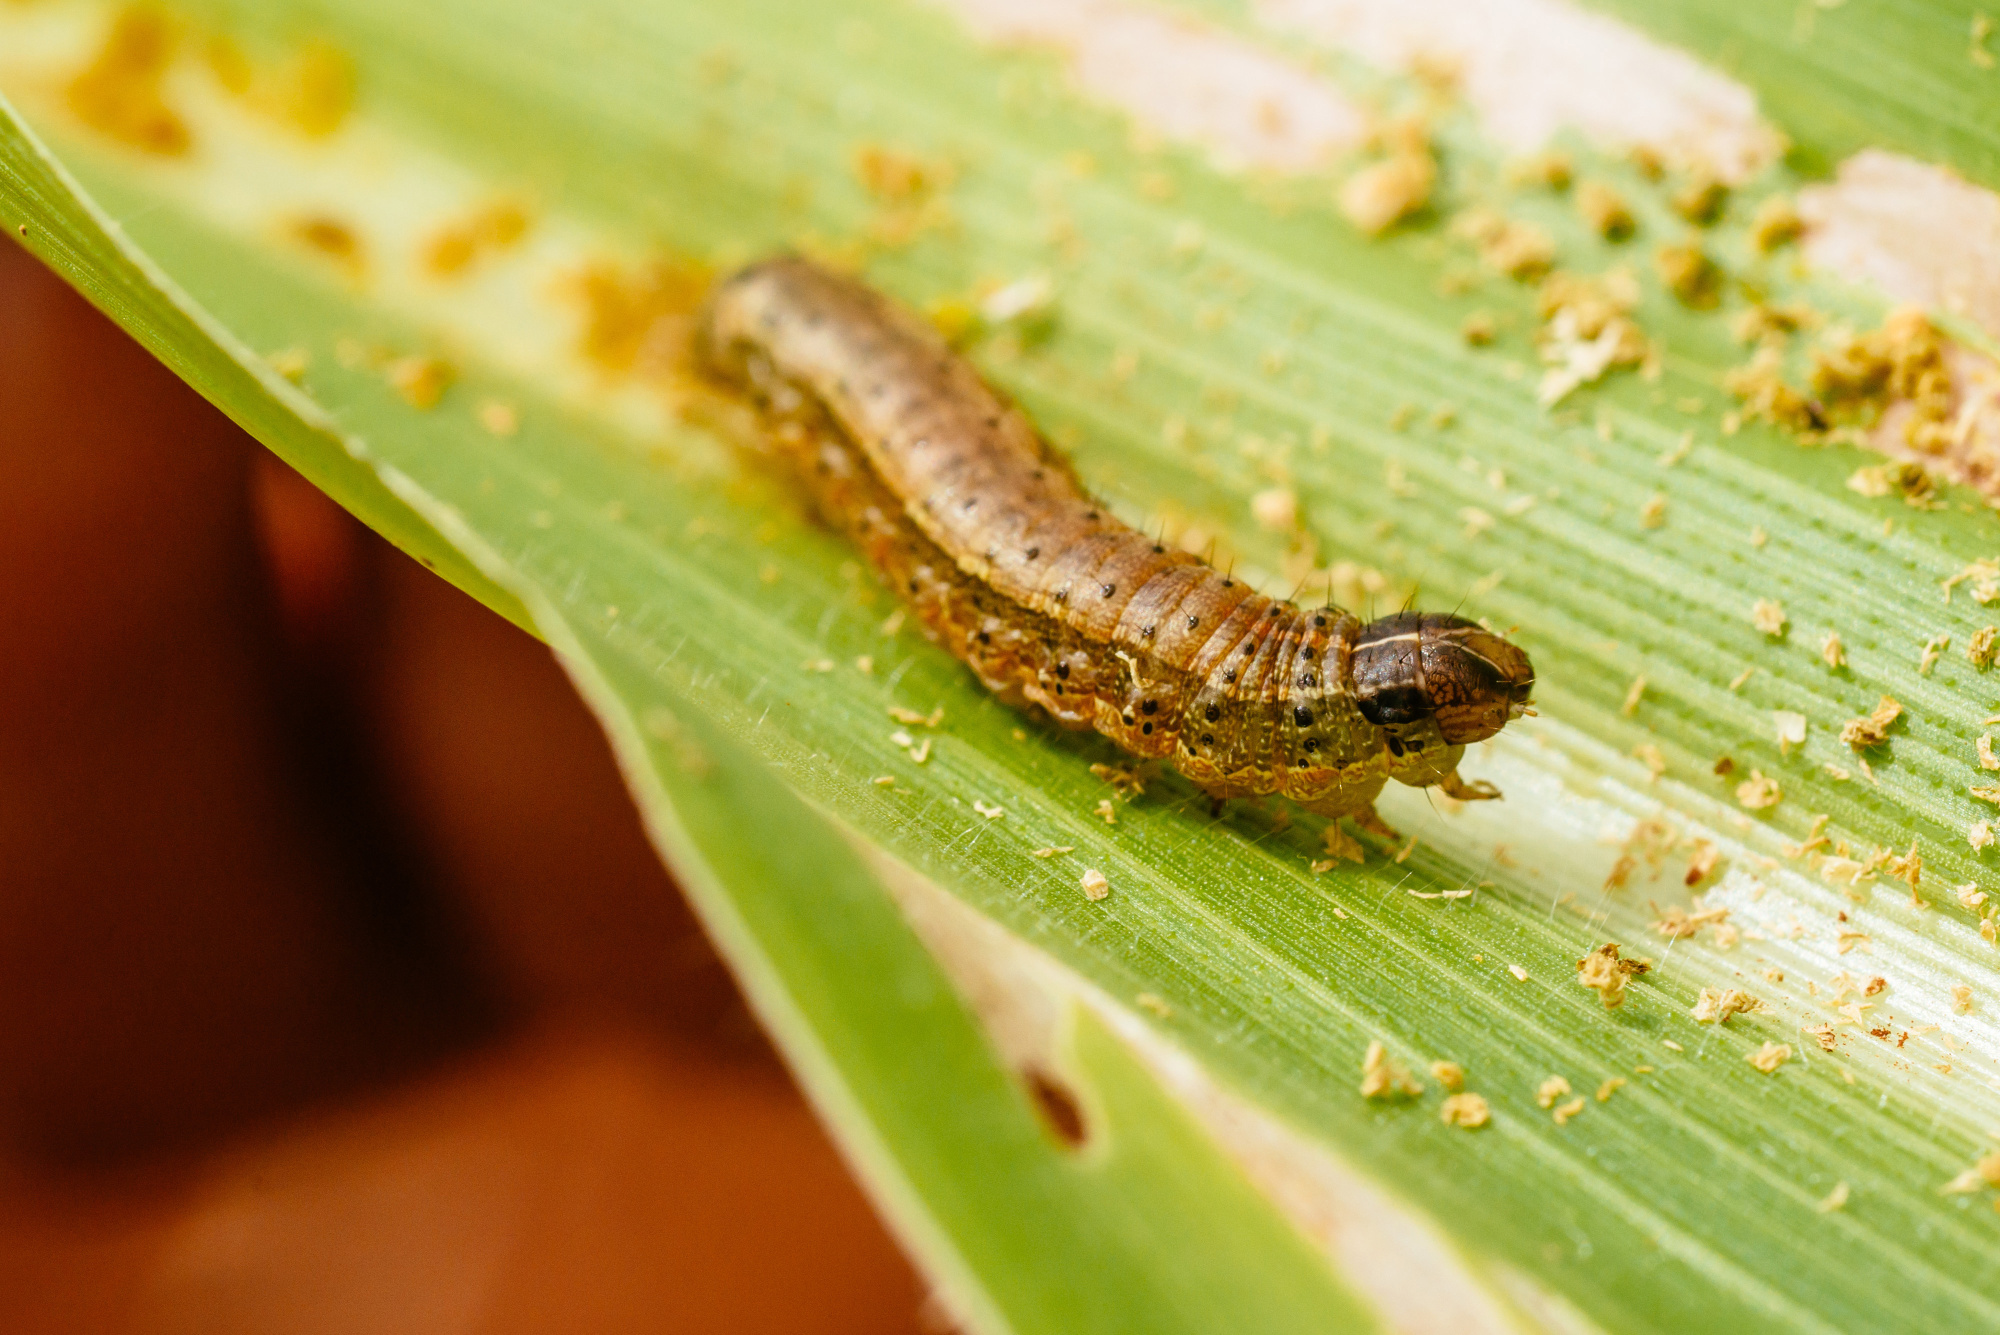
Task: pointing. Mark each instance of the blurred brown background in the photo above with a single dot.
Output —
(339, 989)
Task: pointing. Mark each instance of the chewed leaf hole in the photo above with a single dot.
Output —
(1061, 1109)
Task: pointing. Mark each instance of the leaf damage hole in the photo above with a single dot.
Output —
(1061, 1109)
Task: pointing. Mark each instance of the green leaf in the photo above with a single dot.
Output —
(1916, 77)
(1212, 336)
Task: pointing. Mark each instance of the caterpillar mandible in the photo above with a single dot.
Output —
(1010, 564)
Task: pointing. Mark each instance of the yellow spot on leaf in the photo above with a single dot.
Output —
(421, 380)
(119, 92)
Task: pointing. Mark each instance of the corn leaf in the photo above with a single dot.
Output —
(1211, 337)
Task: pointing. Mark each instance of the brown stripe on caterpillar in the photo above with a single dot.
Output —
(966, 510)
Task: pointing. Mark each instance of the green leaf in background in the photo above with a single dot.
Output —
(1212, 337)
(1915, 77)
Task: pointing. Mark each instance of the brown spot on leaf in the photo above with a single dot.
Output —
(1060, 1109)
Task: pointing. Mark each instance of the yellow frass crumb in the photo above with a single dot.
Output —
(1831, 651)
(1653, 513)
(913, 719)
(1551, 1089)
(1903, 363)
(1873, 730)
(1770, 1057)
(1917, 488)
(1652, 758)
(1520, 250)
(1610, 1087)
(1520, 974)
(1587, 330)
(1465, 1110)
(1605, 210)
(1716, 1005)
(1095, 884)
(1701, 198)
(1933, 650)
(421, 380)
(1902, 359)
(1687, 271)
(1384, 193)
(1606, 974)
(1759, 792)
(1125, 780)
(1834, 1199)
(1677, 924)
(1449, 1074)
(1703, 862)
(1563, 1112)
(1383, 1077)
(1768, 616)
(1479, 328)
(1985, 1173)
(896, 177)
(1760, 384)
(1761, 321)
(1961, 999)
(1984, 645)
(1985, 577)
(1551, 170)
(119, 93)
(1775, 223)
(1633, 694)
(1154, 1003)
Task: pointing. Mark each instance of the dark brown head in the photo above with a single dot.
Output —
(1425, 665)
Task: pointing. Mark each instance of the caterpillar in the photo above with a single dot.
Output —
(962, 506)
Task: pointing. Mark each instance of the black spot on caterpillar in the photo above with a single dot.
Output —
(956, 498)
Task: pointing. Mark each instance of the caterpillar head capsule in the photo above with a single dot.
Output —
(1419, 666)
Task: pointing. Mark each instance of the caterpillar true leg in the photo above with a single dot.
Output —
(1467, 790)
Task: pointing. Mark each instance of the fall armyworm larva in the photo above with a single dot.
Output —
(1012, 566)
